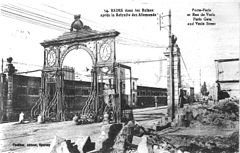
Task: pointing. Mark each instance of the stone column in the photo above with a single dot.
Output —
(177, 77)
(10, 73)
(3, 97)
(9, 107)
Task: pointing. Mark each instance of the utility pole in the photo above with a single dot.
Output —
(2, 65)
(172, 89)
(200, 81)
(171, 67)
(172, 40)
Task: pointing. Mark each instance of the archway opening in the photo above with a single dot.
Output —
(77, 67)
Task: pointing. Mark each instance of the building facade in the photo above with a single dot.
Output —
(227, 78)
(26, 90)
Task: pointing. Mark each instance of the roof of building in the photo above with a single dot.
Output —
(148, 87)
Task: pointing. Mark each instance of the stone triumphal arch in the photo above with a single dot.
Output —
(102, 49)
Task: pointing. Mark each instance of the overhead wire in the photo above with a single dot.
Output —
(20, 63)
(15, 7)
(53, 25)
(23, 19)
(141, 61)
(27, 18)
(142, 41)
(185, 66)
(36, 21)
(58, 9)
(44, 11)
(27, 15)
(41, 22)
(21, 14)
(21, 10)
(31, 71)
(126, 41)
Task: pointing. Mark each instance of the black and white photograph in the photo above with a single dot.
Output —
(120, 76)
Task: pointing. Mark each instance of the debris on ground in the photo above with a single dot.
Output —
(224, 114)
(192, 144)
(81, 145)
(83, 119)
(164, 136)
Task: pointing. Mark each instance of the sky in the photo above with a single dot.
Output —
(200, 45)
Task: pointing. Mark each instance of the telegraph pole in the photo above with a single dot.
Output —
(2, 65)
(171, 67)
(200, 80)
(171, 106)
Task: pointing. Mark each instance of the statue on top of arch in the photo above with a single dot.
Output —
(78, 25)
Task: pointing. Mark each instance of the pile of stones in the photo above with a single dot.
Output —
(81, 145)
(224, 114)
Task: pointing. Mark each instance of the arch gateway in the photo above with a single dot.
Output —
(102, 49)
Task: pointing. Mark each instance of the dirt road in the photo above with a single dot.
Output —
(34, 137)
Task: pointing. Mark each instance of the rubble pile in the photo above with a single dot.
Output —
(188, 144)
(81, 145)
(223, 114)
(83, 119)
(165, 136)
(136, 139)
(133, 138)
(110, 134)
(229, 106)
(172, 143)
(204, 144)
(162, 140)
